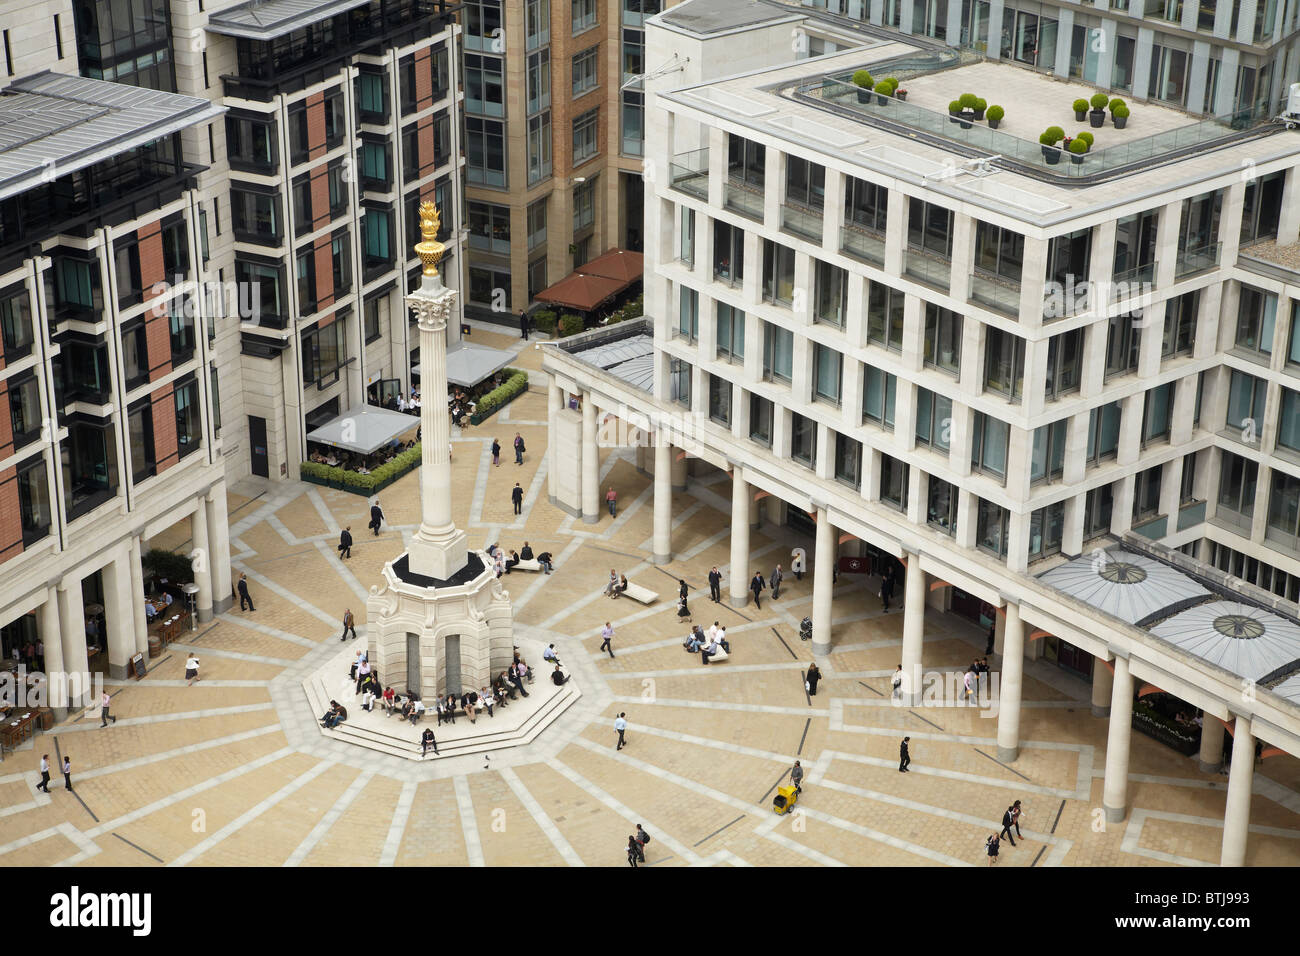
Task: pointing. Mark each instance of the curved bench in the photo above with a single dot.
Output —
(638, 593)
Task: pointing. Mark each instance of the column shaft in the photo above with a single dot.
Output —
(1211, 755)
(590, 463)
(141, 621)
(219, 542)
(1013, 668)
(1102, 683)
(679, 470)
(75, 673)
(1241, 780)
(554, 401)
(52, 641)
(663, 505)
(1118, 738)
(739, 571)
(823, 584)
(119, 616)
(913, 629)
(201, 560)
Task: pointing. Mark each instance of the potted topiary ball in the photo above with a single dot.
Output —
(884, 90)
(1078, 146)
(1116, 102)
(968, 101)
(1049, 139)
(1098, 115)
(863, 81)
(995, 114)
(1086, 137)
(954, 110)
(1119, 116)
(981, 105)
(1080, 110)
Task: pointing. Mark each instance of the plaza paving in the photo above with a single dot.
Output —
(233, 771)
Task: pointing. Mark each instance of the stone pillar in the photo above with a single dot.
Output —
(1102, 683)
(72, 628)
(590, 463)
(554, 402)
(1118, 737)
(1013, 668)
(823, 584)
(678, 470)
(1211, 755)
(201, 560)
(1241, 780)
(141, 621)
(119, 615)
(913, 628)
(219, 542)
(663, 519)
(739, 572)
(52, 639)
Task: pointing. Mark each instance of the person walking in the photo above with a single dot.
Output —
(886, 587)
(244, 597)
(1016, 812)
(1008, 821)
(496, 453)
(347, 625)
(992, 844)
(376, 517)
(67, 773)
(105, 702)
(519, 449)
(796, 777)
(611, 499)
(642, 838)
(897, 682)
(191, 670)
(607, 635)
(757, 585)
(633, 851)
(797, 564)
(904, 758)
(523, 324)
(775, 580)
(620, 724)
(44, 785)
(811, 679)
(517, 496)
(715, 585)
(345, 543)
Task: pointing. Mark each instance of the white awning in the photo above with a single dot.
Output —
(364, 429)
(468, 364)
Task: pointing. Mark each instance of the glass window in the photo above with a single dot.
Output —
(537, 23)
(1283, 509)
(539, 80)
(761, 413)
(1237, 480)
(1069, 260)
(1097, 509)
(778, 273)
(341, 262)
(1135, 247)
(933, 419)
(189, 433)
(941, 505)
(1168, 78)
(719, 400)
(633, 116)
(848, 460)
(16, 331)
(1256, 318)
(828, 368)
(1123, 341)
(180, 322)
(865, 204)
(1293, 340)
(24, 410)
(1246, 396)
(485, 85)
(929, 227)
(1064, 363)
(687, 235)
(832, 285)
(1047, 459)
(585, 76)
(371, 327)
(778, 353)
(942, 338)
(489, 227)
(885, 316)
(264, 284)
(372, 95)
(991, 527)
(140, 438)
(485, 149)
(540, 163)
(1199, 224)
(1146, 492)
(251, 144)
(1103, 433)
(746, 160)
(1046, 530)
(536, 223)
(1180, 324)
(1157, 407)
(730, 333)
(728, 252)
(989, 449)
(1004, 364)
(33, 500)
(893, 482)
(1262, 207)
(879, 393)
(377, 240)
(803, 440)
(999, 251)
(688, 314)
(583, 15)
(584, 206)
(805, 182)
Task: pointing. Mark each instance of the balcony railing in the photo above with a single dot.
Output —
(803, 221)
(1197, 259)
(1133, 281)
(689, 173)
(1232, 520)
(1191, 514)
(862, 243)
(927, 268)
(739, 196)
(997, 292)
(1154, 527)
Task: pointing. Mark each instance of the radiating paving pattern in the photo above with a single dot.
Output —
(234, 771)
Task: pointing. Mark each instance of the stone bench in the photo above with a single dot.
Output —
(720, 656)
(638, 593)
(532, 564)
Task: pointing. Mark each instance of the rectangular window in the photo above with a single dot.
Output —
(265, 285)
(1256, 318)
(999, 252)
(584, 136)
(489, 227)
(585, 77)
(1168, 77)
(933, 419)
(372, 96)
(1156, 411)
(1068, 264)
(1097, 511)
(879, 392)
(730, 333)
(1262, 207)
(89, 463)
(485, 150)
(1004, 364)
(719, 400)
(687, 235)
(488, 286)
(848, 461)
(16, 330)
(778, 273)
(140, 438)
(1199, 223)
(24, 410)
(1103, 433)
(255, 216)
(1180, 325)
(536, 224)
(1135, 248)
(189, 429)
(540, 163)
(805, 183)
(1246, 396)
(251, 143)
(1146, 492)
(1237, 481)
(180, 324)
(989, 449)
(688, 315)
(866, 204)
(1047, 459)
(135, 357)
(746, 161)
(832, 286)
(828, 373)
(885, 316)
(537, 23)
(941, 506)
(1064, 363)
(377, 241)
(584, 207)
(991, 527)
(371, 327)
(583, 15)
(728, 252)
(1046, 531)
(929, 227)
(1288, 423)
(942, 338)
(1123, 342)
(33, 500)
(536, 277)
(778, 353)
(324, 353)
(893, 482)
(482, 20)
(485, 85)
(341, 262)
(1283, 510)
(679, 375)
(633, 115)
(126, 265)
(761, 413)
(539, 81)
(803, 440)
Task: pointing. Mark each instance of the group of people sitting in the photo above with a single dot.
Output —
(707, 642)
(503, 562)
(362, 464)
(158, 605)
(334, 716)
(617, 584)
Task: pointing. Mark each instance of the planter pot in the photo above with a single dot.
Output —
(1052, 155)
(881, 99)
(979, 116)
(964, 120)
(954, 117)
(1120, 121)
(1077, 158)
(901, 96)
(1097, 118)
(864, 97)
(993, 124)
(1079, 115)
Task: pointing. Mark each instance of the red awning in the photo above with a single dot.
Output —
(582, 292)
(627, 267)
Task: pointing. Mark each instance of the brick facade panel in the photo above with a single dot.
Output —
(165, 453)
(423, 79)
(11, 522)
(424, 137)
(6, 423)
(324, 273)
(320, 197)
(316, 125)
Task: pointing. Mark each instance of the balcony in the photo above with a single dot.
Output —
(689, 173)
(1190, 514)
(1197, 259)
(1136, 280)
(1154, 527)
(996, 292)
(803, 221)
(1232, 520)
(863, 243)
(927, 268)
(744, 198)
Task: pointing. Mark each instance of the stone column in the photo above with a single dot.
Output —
(219, 541)
(201, 560)
(590, 462)
(1241, 780)
(663, 519)
(678, 470)
(739, 572)
(823, 584)
(913, 628)
(141, 621)
(1102, 683)
(120, 616)
(72, 627)
(1118, 737)
(1211, 755)
(1013, 668)
(554, 402)
(52, 639)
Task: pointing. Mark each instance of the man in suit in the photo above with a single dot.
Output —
(715, 584)
(376, 517)
(904, 758)
(517, 496)
(775, 580)
(244, 597)
(756, 585)
(348, 625)
(345, 543)
(1007, 821)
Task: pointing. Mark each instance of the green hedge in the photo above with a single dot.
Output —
(354, 481)
(544, 321)
(570, 324)
(176, 568)
(516, 384)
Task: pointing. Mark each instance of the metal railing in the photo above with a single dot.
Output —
(863, 243)
(996, 292)
(927, 268)
(802, 220)
(689, 173)
(1198, 259)
(741, 197)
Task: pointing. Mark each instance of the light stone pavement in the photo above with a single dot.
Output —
(233, 770)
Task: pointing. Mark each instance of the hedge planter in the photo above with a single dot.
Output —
(491, 403)
(355, 482)
(1157, 731)
(965, 120)
(901, 96)
(864, 97)
(1097, 118)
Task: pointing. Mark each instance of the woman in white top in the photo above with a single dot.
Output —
(191, 670)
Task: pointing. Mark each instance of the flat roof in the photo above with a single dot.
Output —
(52, 124)
(629, 356)
(706, 17)
(268, 19)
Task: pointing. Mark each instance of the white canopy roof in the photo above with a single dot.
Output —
(1245, 640)
(1129, 586)
(364, 429)
(469, 364)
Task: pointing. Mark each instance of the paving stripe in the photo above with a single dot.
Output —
(700, 671)
(279, 527)
(237, 617)
(331, 817)
(468, 821)
(719, 705)
(288, 595)
(481, 483)
(251, 814)
(397, 829)
(125, 765)
(162, 719)
(1015, 785)
(86, 847)
(234, 655)
(323, 510)
(794, 845)
(344, 571)
(547, 825)
(535, 586)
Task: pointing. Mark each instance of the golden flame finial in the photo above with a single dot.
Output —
(429, 249)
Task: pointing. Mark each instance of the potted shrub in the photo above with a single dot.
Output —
(954, 110)
(1086, 137)
(1080, 109)
(995, 114)
(1116, 102)
(885, 89)
(968, 101)
(900, 95)
(981, 105)
(1078, 146)
(1098, 115)
(863, 81)
(1050, 137)
(1119, 116)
